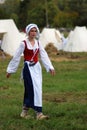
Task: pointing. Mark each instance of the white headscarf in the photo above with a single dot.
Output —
(30, 26)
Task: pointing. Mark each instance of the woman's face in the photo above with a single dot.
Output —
(33, 32)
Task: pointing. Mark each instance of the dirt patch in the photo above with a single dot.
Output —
(66, 97)
(4, 87)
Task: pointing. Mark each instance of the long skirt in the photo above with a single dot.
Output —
(32, 76)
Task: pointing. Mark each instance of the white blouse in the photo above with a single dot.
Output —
(14, 63)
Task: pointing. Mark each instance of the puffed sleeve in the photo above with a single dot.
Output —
(14, 63)
(45, 59)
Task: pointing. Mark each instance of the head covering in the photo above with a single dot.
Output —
(30, 26)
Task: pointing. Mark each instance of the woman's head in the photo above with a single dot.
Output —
(31, 27)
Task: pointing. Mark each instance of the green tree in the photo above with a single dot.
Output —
(52, 12)
(10, 10)
(15, 17)
(3, 14)
(23, 9)
(11, 6)
(65, 19)
(56, 13)
(36, 15)
(80, 7)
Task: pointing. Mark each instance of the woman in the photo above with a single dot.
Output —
(32, 73)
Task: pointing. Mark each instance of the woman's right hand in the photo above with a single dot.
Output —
(8, 75)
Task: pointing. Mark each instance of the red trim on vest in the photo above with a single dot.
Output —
(28, 54)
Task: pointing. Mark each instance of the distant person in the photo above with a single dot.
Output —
(32, 72)
(64, 41)
(1, 45)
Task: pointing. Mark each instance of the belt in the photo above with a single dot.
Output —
(31, 63)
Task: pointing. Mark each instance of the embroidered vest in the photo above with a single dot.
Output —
(28, 54)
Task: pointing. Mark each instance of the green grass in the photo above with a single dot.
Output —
(64, 97)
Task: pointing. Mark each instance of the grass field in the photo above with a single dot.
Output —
(64, 96)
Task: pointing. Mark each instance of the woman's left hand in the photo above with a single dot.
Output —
(52, 71)
(8, 75)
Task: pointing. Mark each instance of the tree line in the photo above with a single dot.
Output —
(45, 13)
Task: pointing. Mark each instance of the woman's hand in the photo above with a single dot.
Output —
(8, 75)
(52, 71)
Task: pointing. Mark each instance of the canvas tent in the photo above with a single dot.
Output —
(10, 35)
(51, 35)
(77, 40)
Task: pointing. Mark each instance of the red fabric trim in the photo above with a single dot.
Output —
(28, 54)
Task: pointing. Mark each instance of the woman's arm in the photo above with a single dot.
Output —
(45, 60)
(14, 63)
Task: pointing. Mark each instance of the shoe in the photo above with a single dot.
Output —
(24, 114)
(41, 116)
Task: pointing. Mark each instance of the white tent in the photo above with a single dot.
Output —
(77, 40)
(11, 37)
(51, 35)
